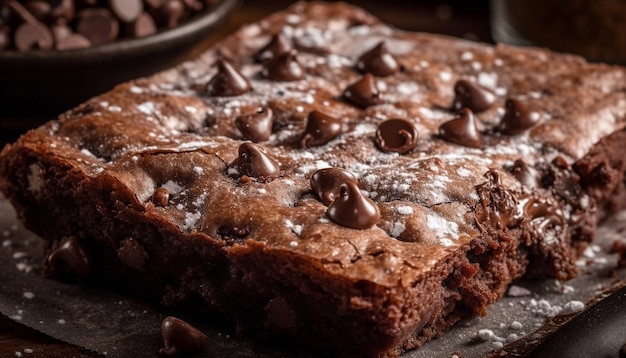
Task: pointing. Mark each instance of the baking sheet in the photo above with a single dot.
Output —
(111, 324)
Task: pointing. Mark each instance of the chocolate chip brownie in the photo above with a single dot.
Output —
(322, 178)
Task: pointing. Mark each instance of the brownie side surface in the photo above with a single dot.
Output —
(458, 223)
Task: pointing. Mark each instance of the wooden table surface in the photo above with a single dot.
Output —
(461, 18)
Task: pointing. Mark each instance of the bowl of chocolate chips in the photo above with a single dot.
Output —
(55, 54)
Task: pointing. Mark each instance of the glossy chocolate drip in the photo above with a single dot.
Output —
(277, 45)
(525, 174)
(396, 135)
(227, 81)
(256, 127)
(498, 206)
(378, 61)
(462, 130)
(364, 92)
(326, 183)
(320, 129)
(253, 162)
(518, 117)
(473, 96)
(352, 209)
(68, 260)
(179, 338)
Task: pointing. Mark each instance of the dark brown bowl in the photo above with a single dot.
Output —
(43, 84)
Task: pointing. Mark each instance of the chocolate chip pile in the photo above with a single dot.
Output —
(69, 24)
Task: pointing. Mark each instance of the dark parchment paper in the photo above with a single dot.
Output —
(115, 325)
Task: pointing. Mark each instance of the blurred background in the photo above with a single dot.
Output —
(18, 112)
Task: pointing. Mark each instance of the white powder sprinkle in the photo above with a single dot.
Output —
(516, 325)
(404, 210)
(191, 109)
(146, 108)
(297, 229)
(445, 76)
(397, 229)
(115, 109)
(198, 170)
(28, 350)
(518, 291)
(572, 306)
(29, 295)
(136, 90)
(18, 354)
(61, 321)
(463, 172)
(467, 56)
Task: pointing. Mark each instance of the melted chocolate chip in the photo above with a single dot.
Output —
(68, 259)
(470, 95)
(170, 13)
(378, 61)
(161, 197)
(255, 163)
(256, 127)
(351, 209)
(320, 129)
(284, 67)
(462, 130)
(526, 175)
(227, 81)
(396, 135)
(326, 183)
(132, 254)
(276, 46)
(364, 92)
(33, 36)
(179, 337)
(518, 117)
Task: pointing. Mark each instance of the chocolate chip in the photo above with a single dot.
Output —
(364, 92)
(470, 95)
(622, 351)
(161, 197)
(68, 259)
(277, 45)
(255, 163)
(179, 337)
(227, 81)
(378, 61)
(320, 129)
(60, 31)
(72, 41)
(126, 10)
(132, 254)
(284, 67)
(462, 130)
(525, 174)
(5, 37)
(98, 25)
(143, 26)
(326, 182)
(396, 135)
(351, 209)
(29, 36)
(256, 127)
(518, 117)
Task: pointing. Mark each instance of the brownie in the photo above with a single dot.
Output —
(324, 179)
